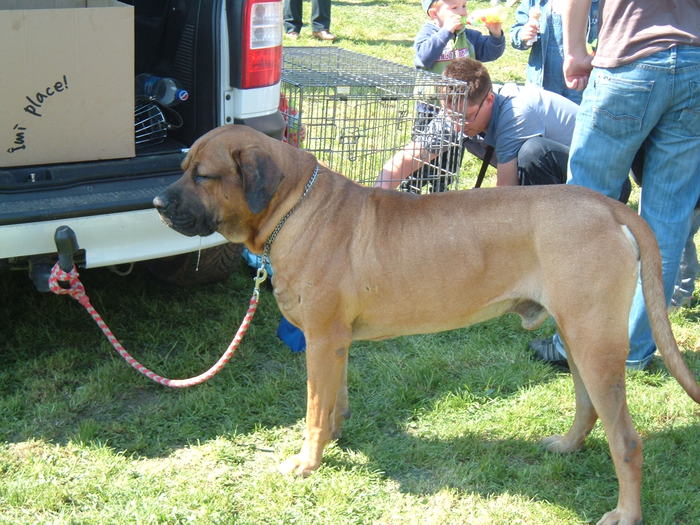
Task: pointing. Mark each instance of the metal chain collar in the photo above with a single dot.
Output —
(262, 272)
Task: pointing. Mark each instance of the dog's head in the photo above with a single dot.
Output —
(229, 178)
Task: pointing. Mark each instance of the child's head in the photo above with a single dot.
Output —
(440, 10)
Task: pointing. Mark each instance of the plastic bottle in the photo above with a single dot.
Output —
(535, 13)
(489, 15)
(163, 90)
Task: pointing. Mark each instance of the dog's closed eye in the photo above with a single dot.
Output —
(200, 178)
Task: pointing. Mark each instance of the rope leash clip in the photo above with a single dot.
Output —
(260, 277)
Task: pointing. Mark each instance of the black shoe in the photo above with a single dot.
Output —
(545, 350)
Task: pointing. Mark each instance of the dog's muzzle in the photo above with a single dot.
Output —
(190, 218)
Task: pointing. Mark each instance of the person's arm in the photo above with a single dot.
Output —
(404, 162)
(486, 47)
(577, 61)
(507, 173)
(429, 45)
(519, 35)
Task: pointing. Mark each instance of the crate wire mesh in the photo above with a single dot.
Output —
(354, 112)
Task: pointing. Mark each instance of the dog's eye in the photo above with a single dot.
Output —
(200, 179)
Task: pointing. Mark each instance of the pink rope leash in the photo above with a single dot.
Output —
(77, 291)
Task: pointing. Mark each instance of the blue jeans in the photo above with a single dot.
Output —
(655, 101)
(685, 284)
(320, 15)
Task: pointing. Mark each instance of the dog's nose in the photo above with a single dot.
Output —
(160, 202)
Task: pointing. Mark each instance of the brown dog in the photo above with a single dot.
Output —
(339, 263)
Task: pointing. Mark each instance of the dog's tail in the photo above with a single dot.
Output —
(652, 286)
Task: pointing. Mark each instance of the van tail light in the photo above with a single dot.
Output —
(262, 44)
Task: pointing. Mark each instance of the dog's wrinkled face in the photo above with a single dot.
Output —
(228, 179)
(182, 205)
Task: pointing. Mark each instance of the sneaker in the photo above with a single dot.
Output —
(545, 350)
(293, 35)
(324, 35)
(680, 299)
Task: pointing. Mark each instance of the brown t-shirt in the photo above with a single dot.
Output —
(633, 29)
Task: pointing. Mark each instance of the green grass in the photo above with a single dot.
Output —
(445, 428)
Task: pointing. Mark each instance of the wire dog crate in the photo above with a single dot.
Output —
(354, 112)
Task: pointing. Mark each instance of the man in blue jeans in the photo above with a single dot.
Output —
(644, 88)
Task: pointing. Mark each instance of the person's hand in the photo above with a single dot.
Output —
(454, 23)
(494, 28)
(529, 32)
(577, 69)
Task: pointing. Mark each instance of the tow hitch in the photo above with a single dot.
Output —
(67, 247)
(40, 266)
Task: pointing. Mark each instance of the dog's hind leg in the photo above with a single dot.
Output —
(608, 396)
(533, 314)
(599, 356)
(326, 360)
(584, 419)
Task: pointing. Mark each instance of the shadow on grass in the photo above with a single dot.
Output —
(583, 481)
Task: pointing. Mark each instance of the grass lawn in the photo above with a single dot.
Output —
(445, 428)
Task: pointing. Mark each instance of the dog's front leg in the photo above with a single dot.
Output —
(342, 406)
(326, 361)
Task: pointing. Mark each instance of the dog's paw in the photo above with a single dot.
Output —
(560, 444)
(617, 517)
(296, 465)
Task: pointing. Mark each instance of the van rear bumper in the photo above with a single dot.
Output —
(104, 240)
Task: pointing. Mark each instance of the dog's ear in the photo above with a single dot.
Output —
(186, 161)
(260, 175)
(185, 164)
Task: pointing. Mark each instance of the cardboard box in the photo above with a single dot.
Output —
(66, 81)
